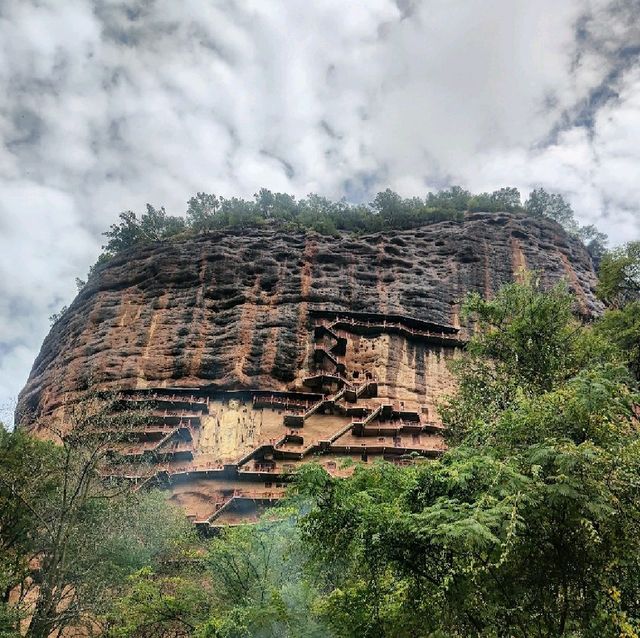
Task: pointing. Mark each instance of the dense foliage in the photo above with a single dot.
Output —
(619, 287)
(529, 525)
(68, 537)
(619, 276)
(206, 212)
(249, 581)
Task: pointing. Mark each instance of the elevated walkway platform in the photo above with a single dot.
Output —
(375, 323)
(380, 318)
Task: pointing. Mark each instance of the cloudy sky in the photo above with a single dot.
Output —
(107, 105)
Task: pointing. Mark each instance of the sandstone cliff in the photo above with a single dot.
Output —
(254, 351)
(232, 309)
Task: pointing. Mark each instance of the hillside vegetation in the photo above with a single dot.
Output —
(206, 212)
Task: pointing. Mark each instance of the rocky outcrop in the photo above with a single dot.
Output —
(254, 351)
(232, 309)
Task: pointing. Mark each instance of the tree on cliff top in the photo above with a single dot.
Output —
(207, 212)
(201, 211)
(153, 225)
(552, 205)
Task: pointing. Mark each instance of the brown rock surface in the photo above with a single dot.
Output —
(261, 347)
(232, 308)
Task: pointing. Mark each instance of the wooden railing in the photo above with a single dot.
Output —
(442, 338)
(275, 401)
(165, 398)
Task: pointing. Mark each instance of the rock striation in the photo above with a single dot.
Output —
(258, 349)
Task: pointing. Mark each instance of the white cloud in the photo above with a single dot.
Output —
(110, 104)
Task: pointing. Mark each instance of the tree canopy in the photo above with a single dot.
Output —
(68, 536)
(208, 212)
(619, 275)
(619, 287)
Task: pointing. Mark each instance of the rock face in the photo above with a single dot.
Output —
(258, 348)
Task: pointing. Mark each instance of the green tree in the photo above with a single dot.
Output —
(248, 581)
(543, 204)
(270, 205)
(622, 327)
(202, 212)
(27, 467)
(389, 206)
(594, 241)
(527, 341)
(123, 235)
(455, 197)
(619, 275)
(259, 585)
(158, 604)
(553, 205)
(73, 535)
(507, 198)
(528, 527)
(619, 287)
(153, 225)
